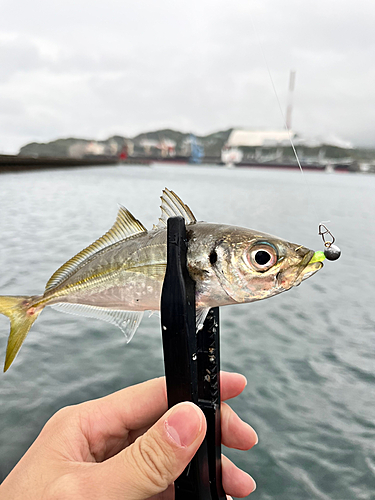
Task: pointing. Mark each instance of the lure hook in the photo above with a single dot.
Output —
(332, 252)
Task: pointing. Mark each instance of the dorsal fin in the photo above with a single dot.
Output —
(172, 205)
(126, 225)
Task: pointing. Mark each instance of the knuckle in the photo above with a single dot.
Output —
(63, 413)
(153, 461)
(58, 419)
(58, 428)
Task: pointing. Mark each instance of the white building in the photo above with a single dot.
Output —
(267, 146)
(259, 138)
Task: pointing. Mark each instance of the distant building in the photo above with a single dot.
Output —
(149, 145)
(167, 148)
(78, 150)
(163, 148)
(230, 155)
(274, 146)
(81, 149)
(255, 145)
(94, 148)
(111, 148)
(192, 148)
(259, 138)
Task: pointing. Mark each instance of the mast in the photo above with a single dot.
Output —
(288, 120)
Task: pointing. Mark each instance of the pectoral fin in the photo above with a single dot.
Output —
(200, 317)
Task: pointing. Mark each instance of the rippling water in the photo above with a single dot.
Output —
(309, 354)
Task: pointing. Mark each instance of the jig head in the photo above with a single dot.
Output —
(331, 251)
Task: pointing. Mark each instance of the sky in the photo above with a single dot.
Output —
(94, 69)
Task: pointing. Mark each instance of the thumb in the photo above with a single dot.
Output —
(149, 465)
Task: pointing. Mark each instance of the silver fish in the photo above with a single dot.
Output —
(120, 275)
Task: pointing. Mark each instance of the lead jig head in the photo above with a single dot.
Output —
(331, 251)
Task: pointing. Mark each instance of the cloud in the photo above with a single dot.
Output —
(95, 68)
(17, 54)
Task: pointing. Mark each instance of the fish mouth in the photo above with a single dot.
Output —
(311, 269)
(313, 263)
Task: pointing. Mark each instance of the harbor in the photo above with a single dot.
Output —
(232, 148)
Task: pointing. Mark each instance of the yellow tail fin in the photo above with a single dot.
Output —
(22, 315)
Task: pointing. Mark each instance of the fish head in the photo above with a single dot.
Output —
(252, 266)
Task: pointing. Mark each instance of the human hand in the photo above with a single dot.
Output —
(126, 446)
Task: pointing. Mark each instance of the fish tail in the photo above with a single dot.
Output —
(22, 314)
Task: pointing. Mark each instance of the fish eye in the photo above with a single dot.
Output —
(262, 256)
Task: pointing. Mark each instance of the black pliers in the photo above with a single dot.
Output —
(192, 366)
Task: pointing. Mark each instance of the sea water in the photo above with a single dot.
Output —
(308, 354)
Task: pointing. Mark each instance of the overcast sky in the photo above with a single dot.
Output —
(92, 69)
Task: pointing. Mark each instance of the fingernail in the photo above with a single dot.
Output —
(184, 424)
(254, 485)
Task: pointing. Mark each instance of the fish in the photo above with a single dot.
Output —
(120, 276)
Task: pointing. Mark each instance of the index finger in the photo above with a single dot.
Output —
(143, 404)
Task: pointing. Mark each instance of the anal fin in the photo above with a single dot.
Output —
(127, 321)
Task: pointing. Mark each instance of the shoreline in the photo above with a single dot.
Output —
(16, 163)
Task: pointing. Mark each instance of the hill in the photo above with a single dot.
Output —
(63, 148)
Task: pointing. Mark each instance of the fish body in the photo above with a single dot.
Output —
(121, 275)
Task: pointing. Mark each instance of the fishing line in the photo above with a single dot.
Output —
(282, 115)
(332, 252)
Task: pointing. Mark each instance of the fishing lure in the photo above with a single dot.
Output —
(331, 251)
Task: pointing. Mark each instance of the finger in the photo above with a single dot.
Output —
(155, 459)
(151, 397)
(139, 406)
(236, 482)
(235, 433)
(232, 384)
(107, 422)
